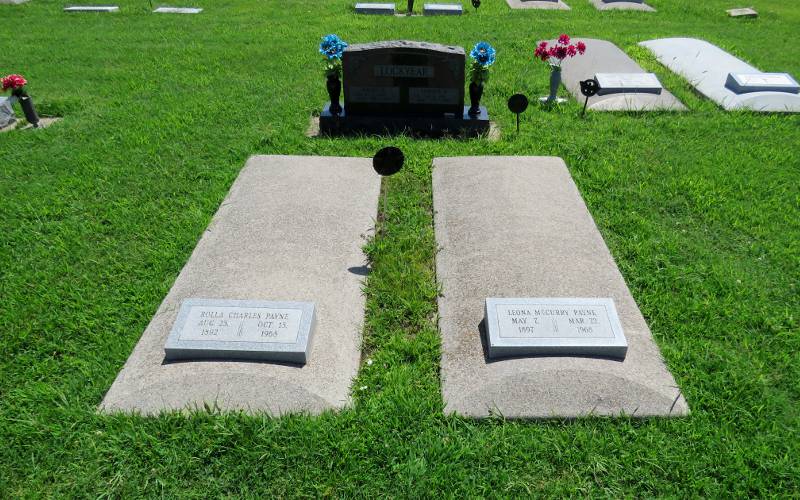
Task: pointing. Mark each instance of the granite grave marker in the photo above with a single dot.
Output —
(404, 85)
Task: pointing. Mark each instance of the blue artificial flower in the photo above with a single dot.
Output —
(332, 47)
(483, 54)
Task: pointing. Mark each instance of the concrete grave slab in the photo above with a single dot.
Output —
(518, 227)
(604, 57)
(381, 9)
(604, 5)
(538, 4)
(707, 68)
(178, 10)
(290, 229)
(743, 12)
(12, 2)
(91, 8)
(442, 9)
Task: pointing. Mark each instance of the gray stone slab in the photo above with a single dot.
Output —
(538, 4)
(442, 9)
(604, 57)
(707, 67)
(178, 10)
(381, 9)
(604, 5)
(241, 329)
(743, 12)
(290, 229)
(91, 8)
(547, 326)
(518, 227)
(12, 2)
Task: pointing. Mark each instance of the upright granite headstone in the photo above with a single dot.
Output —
(403, 85)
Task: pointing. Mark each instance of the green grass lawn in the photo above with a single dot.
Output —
(99, 213)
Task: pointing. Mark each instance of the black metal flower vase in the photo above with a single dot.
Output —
(26, 103)
(410, 7)
(334, 89)
(475, 94)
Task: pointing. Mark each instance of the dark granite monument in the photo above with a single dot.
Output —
(404, 86)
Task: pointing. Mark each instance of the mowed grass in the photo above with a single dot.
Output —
(100, 212)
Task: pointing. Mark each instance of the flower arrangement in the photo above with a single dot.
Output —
(555, 54)
(332, 47)
(483, 55)
(15, 83)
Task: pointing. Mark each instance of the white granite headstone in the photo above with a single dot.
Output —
(386, 9)
(91, 8)
(742, 83)
(442, 9)
(554, 326)
(178, 10)
(620, 83)
(241, 329)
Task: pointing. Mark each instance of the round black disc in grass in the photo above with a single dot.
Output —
(388, 161)
(517, 103)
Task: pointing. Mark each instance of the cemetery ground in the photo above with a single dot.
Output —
(101, 210)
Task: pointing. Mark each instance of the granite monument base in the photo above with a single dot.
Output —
(511, 227)
(464, 125)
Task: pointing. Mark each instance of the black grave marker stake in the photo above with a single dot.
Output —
(517, 104)
(476, 4)
(588, 88)
(386, 162)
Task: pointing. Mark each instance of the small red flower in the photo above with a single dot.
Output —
(563, 39)
(561, 52)
(581, 48)
(13, 82)
(571, 51)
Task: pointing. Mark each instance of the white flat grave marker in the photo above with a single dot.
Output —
(12, 2)
(742, 83)
(518, 227)
(386, 9)
(178, 10)
(241, 329)
(617, 83)
(290, 230)
(708, 68)
(442, 9)
(554, 326)
(91, 8)
(743, 12)
(538, 4)
(605, 5)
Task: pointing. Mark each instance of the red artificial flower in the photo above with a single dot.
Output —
(571, 51)
(13, 82)
(581, 48)
(563, 39)
(561, 52)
